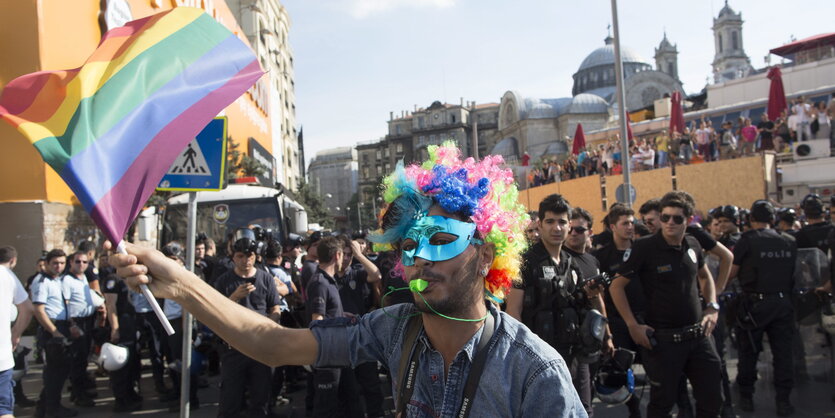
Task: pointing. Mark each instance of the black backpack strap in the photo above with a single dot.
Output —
(408, 364)
(477, 368)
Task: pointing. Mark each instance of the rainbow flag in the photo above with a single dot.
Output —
(113, 127)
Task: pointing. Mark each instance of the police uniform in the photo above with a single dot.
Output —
(611, 260)
(815, 236)
(355, 296)
(123, 380)
(589, 266)
(49, 291)
(669, 279)
(335, 388)
(81, 311)
(552, 309)
(766, 261)
(238, 371)
(152, 336)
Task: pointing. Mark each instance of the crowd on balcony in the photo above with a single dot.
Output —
(701, 141)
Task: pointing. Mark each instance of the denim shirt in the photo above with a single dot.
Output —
(523, 376)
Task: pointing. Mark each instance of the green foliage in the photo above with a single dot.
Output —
(238, 164)
(314, 205)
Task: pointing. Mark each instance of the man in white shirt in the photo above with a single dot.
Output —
(803, 112)
(12, 295)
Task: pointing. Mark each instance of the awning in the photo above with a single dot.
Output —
(811, 42)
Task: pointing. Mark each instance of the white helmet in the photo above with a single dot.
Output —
(113, 357)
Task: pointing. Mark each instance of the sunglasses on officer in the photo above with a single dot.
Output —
(677, 219)
(577, 229)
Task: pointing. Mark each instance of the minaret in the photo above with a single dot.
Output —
(666, 58)
(730, 61)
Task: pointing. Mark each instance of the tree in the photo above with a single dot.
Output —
(314, 205)
(238, 164)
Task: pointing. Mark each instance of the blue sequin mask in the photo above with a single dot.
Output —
(425, 228)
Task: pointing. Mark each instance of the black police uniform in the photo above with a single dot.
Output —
(730, 240)
(669, 279)
(611, 259)
(238, 371)
(766, 261)
(581, 372)
(123, 380)
(335, 388)
(815, 236)
(553, 311)
(355, 295)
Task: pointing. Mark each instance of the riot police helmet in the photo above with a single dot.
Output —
(812, 205)
(762, 211)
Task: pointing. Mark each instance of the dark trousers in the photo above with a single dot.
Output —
(175, 345)
(368, 381)
(153, 336)
(775, 317)
(56, 366)
(336, 394)
(79, 355)
(581, 378)
(122, 380)
(237, 373)
(697, 359)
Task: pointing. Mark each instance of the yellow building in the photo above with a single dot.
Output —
(37, 210)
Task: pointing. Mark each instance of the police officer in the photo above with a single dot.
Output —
(620, 222)
(81, 310)
(256, 290)
(729, 221)
(353, 278)
(552, 301)
(814, 234)
(676, 336)
(786, 221)
(764, 262)
(122, 319)
(51, 313)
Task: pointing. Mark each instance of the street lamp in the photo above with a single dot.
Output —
(359, 217)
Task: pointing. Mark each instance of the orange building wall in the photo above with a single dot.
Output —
(53, 35)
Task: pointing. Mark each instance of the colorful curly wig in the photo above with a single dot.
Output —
(482, 191)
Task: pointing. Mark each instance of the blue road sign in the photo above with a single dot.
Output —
(620, 194)
(202, 164)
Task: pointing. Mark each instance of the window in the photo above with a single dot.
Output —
(431, 139)
(386, 153)
(670, 68)
(399, 148)
(378, 154)
(421, 140)
(452, 117)
(734, 40)
(397, 129)
(420, 121)
(720, 42)
(365, 173)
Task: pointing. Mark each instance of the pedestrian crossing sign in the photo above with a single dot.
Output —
(201, 165)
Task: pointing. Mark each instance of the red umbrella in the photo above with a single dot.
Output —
(676, 113)
(579, 140)
(776, 95)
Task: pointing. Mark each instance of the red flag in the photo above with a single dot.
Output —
(776, 95)
(676, 113)
(629, 135)
(579, 140)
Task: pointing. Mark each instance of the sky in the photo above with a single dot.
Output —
(358, 60)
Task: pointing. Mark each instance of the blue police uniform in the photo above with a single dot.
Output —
(80, 310)
(49, 292)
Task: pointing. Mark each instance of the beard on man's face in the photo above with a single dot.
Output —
(461, 290)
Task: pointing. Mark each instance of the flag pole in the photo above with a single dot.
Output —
(185, 363)
(149, 296)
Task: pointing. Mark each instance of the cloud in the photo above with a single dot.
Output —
(364, 8)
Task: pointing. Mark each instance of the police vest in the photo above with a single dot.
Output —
(768, 261)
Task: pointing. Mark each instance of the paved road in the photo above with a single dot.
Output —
(812, 396)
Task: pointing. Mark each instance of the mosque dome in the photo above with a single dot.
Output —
(598, 69)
